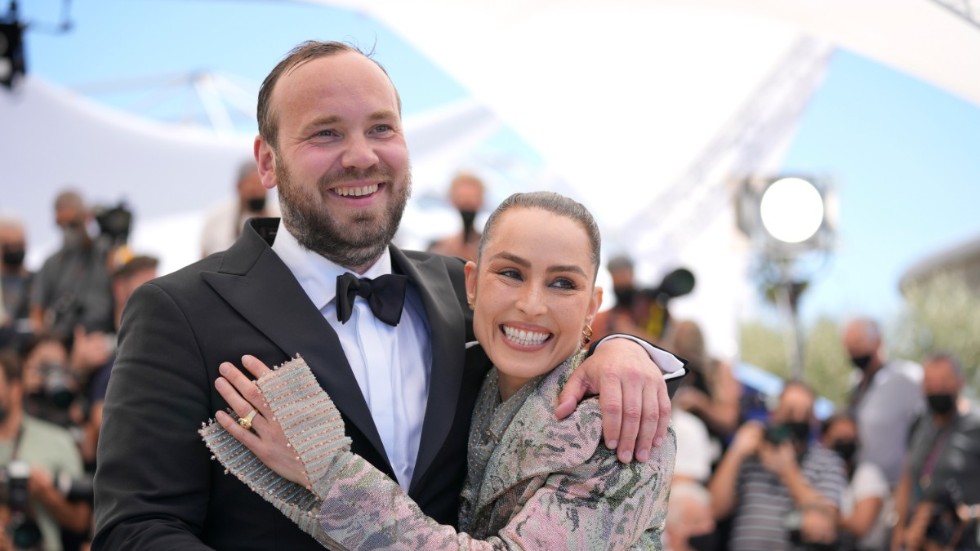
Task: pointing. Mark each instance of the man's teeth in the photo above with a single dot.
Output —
(356, 191)
(525, 338)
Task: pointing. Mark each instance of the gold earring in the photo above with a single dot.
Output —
(586, 335)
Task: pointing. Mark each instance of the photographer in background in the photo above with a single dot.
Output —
(15, 282)
(72, 288)
(224, 221)
(642, 312)
(49, 452)
(783, 488)
(50, 389)
(466, 193)
(929, 479)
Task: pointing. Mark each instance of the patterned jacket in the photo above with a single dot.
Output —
(547, 484)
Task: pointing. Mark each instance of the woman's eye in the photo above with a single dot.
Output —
(510, 273)
(564, 283)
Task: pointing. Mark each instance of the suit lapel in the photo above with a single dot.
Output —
(447, 330)
(259, 286)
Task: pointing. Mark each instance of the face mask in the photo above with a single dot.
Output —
(624, 297)
(861, 362)
(941, 404)
(256, 204)
(846, 449)
(13, 258)
(469, 216)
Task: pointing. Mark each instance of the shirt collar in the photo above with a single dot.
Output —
(316, 274)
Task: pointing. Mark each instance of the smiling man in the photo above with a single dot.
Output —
(326, 283)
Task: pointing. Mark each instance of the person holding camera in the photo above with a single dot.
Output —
(924, 499)
(72, 288)
(783, 488)
(34, 454)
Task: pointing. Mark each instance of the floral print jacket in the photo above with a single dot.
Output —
(540, 483)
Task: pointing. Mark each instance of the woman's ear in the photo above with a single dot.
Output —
(594, 304)
(470, 271)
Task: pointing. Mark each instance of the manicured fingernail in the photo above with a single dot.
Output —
(612, 444)
(626, 457)
(223, 368)
(642, 456)
(657, 442)
(246, 359)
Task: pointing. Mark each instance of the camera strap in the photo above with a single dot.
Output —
(17, 439)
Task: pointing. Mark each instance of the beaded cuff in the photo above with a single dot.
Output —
(313, 427)
(309, 419)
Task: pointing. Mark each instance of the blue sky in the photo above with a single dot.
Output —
(905, 156)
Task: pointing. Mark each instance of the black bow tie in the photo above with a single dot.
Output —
(385, 295)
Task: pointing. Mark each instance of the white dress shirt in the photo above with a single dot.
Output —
(391, 364)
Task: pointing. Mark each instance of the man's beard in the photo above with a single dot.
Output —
(354, 245)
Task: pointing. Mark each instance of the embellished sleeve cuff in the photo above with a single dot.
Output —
(310, 421)
(296, 502)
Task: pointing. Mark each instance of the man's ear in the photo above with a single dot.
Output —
(265, 159)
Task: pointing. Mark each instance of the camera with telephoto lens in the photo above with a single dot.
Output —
(114, 222)
(22, 528)
(75, 489)
(59, 384)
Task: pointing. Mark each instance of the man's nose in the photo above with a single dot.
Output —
(359, 153)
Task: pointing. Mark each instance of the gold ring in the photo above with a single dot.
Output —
(246, 422)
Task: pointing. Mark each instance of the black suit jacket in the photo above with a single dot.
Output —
(156, 487)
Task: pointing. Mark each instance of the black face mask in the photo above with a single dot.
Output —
(846, 449)
(469, 216)
(256, 204)
(861, 362)
(624, 297)
(941, 404)
(13, 258)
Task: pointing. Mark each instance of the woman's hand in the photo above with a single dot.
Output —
(266, 438)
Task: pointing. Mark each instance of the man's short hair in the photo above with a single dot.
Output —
(619, 262)
(69, 198)
(246, 169)
(302, 53)
(948, 357)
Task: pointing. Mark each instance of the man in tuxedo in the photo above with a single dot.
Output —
(330, 139)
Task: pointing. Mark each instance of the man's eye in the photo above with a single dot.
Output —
(384, 129)
(326, 133)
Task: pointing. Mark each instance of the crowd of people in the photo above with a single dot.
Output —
(895, 468)
(58, 341)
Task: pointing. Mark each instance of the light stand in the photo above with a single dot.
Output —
(788, 219)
